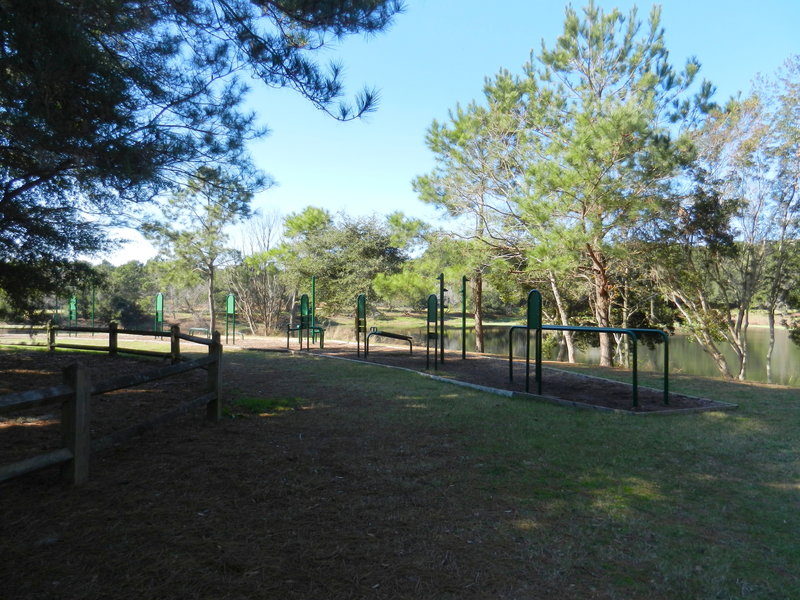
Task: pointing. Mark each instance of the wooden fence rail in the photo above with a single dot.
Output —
(74, 397)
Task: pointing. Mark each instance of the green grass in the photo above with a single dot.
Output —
(262, 405)
(695, 506)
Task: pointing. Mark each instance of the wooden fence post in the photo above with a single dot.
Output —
(51, 336)
(112, 338)
(175, 344)
(75, 413)
(214, 407)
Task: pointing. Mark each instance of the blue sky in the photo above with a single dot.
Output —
(436, 55)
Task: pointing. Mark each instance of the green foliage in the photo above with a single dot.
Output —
(105, 104)
(406, 289)
(307, 223)
(562, 165)
(407, 234)
(194, 220)
(26, 286)
(127, 295)
(345, 254)
(260, 290)
(192, 229)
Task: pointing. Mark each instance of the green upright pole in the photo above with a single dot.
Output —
(230, 317)
(313, 307)
(159, 319)
(361, 324)
(534, 322)
(431, 318)
(73, 313)
(93, 298)
(442, 290)
(463, 317)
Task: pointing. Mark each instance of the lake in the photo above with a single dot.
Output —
(686, 356)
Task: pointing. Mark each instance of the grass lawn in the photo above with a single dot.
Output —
(699, 506)
(334, 479)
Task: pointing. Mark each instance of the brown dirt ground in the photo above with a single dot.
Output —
(327, 501)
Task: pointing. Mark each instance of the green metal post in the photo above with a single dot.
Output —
(431, 318)
(313, 307)
(361, 323)
(305, 317)
(230, 317)
(442, 290)
(534, 322)
(635, 374)
(73, 313)
(93, 298)
(463, 317)
(159, 319)
(666, 369)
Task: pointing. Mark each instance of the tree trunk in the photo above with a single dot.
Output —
(771, 345)
(620, 339)
(477, 298)
(602, 303)
(213, 318)
(566, 343)
(291, 307)
(602, 312)
(717, 356)
(701, 333)
(737, 340)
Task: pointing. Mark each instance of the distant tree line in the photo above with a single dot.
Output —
(599, 173)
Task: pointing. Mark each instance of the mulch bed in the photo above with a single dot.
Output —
(493, 372)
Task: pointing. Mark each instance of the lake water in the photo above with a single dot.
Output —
(686, 356)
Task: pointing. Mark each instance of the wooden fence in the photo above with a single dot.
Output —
(74, 398)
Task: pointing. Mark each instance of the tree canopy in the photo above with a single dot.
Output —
(561, 163)
(104, 103)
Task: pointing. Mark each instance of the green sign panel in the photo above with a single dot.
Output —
(73, 309)
(304, 305)
(230, 304)
(433, 307)
(534, 309)
(362, 306)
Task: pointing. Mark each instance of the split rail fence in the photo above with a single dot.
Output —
(75, 393)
